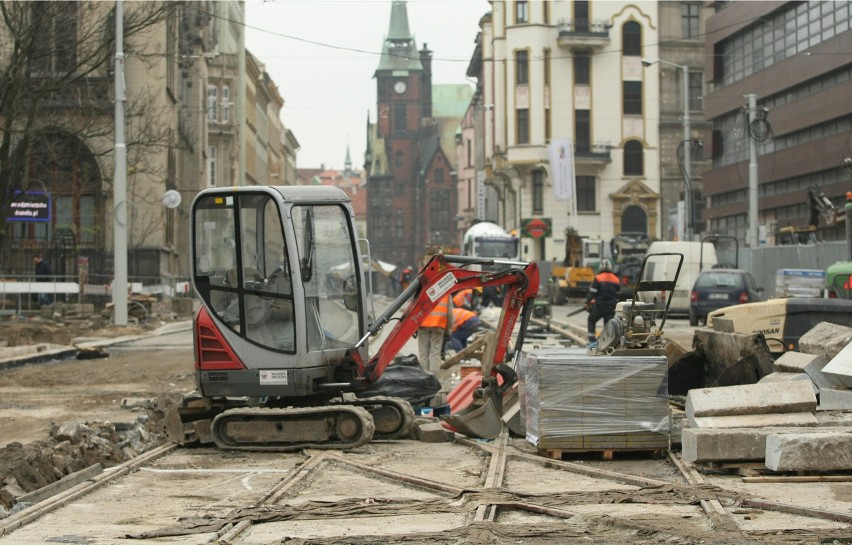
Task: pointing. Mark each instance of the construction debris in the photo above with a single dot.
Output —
(777, 420)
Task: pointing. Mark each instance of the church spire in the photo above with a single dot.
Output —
(347, 163)
(399, 52)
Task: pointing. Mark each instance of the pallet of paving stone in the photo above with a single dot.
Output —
(574, 401)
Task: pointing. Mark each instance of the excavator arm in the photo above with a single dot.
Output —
(438, 278)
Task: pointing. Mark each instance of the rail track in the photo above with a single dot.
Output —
(405, 491)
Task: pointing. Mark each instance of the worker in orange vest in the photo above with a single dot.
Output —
(602, 298)
(430, 334)
(463, 299)
(465, 323)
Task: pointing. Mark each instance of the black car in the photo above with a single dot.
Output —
(628, 274)
(718, 288)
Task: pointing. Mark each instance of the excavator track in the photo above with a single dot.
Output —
(392, 416)
(292, 429)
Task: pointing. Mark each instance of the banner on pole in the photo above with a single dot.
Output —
(561, 154)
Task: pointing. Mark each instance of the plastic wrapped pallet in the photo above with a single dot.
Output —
(575, 401)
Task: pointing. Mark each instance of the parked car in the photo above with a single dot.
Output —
(719, 288)
(628, 274)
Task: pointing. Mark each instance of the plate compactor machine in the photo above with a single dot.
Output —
(281, 338)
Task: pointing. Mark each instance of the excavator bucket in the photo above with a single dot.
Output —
(482, 417)
(720, 358)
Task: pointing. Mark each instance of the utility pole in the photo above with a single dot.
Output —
(753, 241)
(119, 185)
(687, 156)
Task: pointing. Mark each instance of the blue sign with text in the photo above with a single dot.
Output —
(29, 206)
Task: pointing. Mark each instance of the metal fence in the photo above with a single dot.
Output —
(19, 293)
(764, 263)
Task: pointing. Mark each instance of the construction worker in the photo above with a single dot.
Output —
(465, 323)
(430, 334)
(602, 298)
(463, 299)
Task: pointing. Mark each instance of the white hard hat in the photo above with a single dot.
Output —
(606, 265)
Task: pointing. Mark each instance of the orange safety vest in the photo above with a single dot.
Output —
(438, 316)
(464, 298)
(460, 316)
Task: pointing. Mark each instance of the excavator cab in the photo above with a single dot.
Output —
(278, 274)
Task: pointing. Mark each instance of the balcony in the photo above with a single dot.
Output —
(585, 33)
(596, 154)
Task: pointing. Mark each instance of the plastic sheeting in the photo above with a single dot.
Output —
(573, 400)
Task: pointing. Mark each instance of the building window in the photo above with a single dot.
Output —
(398, 158)
(522, 13)
(547, 123)
(212, 97)
(538, 192)
(547, 67)
(522, 68)
(226, 104)
(581, 16)
(399, 117)
(469, 150)
(631, 39)
(689, 23)
(585, 193)
(634, 163)
(211, 166)
(696, 92)
(582, 131)
(56, 50)
(522, 119)
(632, 97)
(582, 67)
(546, 12)
(399, 228)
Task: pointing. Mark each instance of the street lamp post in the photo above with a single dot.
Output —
(686, 143)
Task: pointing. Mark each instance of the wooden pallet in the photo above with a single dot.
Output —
(603, 454)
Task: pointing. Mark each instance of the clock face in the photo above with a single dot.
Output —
(399, 87)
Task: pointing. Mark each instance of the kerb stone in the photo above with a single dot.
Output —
(840, 367)
(793, 362)
(780, 397)
(824, 451)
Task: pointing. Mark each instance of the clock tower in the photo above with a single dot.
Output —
(410, 188)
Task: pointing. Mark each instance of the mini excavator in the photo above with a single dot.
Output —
(281, 337)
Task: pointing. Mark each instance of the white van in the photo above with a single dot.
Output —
(697, 257)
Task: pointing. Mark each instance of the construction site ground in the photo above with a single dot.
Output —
(643, 497)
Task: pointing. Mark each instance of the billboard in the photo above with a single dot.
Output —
(29, 206)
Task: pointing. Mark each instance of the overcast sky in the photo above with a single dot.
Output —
(322, 55)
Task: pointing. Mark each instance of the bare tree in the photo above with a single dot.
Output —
(56, 64)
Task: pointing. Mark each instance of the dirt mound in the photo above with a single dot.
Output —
(15, 331)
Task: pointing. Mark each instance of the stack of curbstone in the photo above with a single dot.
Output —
(789, 419)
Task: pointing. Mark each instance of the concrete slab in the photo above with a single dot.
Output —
(839, 368)
(835, 399)
(794, 362)
(823, 451)
(781, 397)
(814, 370)
(754, 421)
(825, 339)
(738, 444)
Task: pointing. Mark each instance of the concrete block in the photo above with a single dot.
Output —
(434, 432)
(814, 370)
(780, 397)
(754, 421)
(825, 339)
(839, 369)
(794, 362)
(834, 399)
(737, 444)
(822, 451)
(710, 445)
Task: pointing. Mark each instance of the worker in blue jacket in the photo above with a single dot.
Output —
(602, 298)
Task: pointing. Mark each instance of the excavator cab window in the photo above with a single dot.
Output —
(330, 275)
(242, 269)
